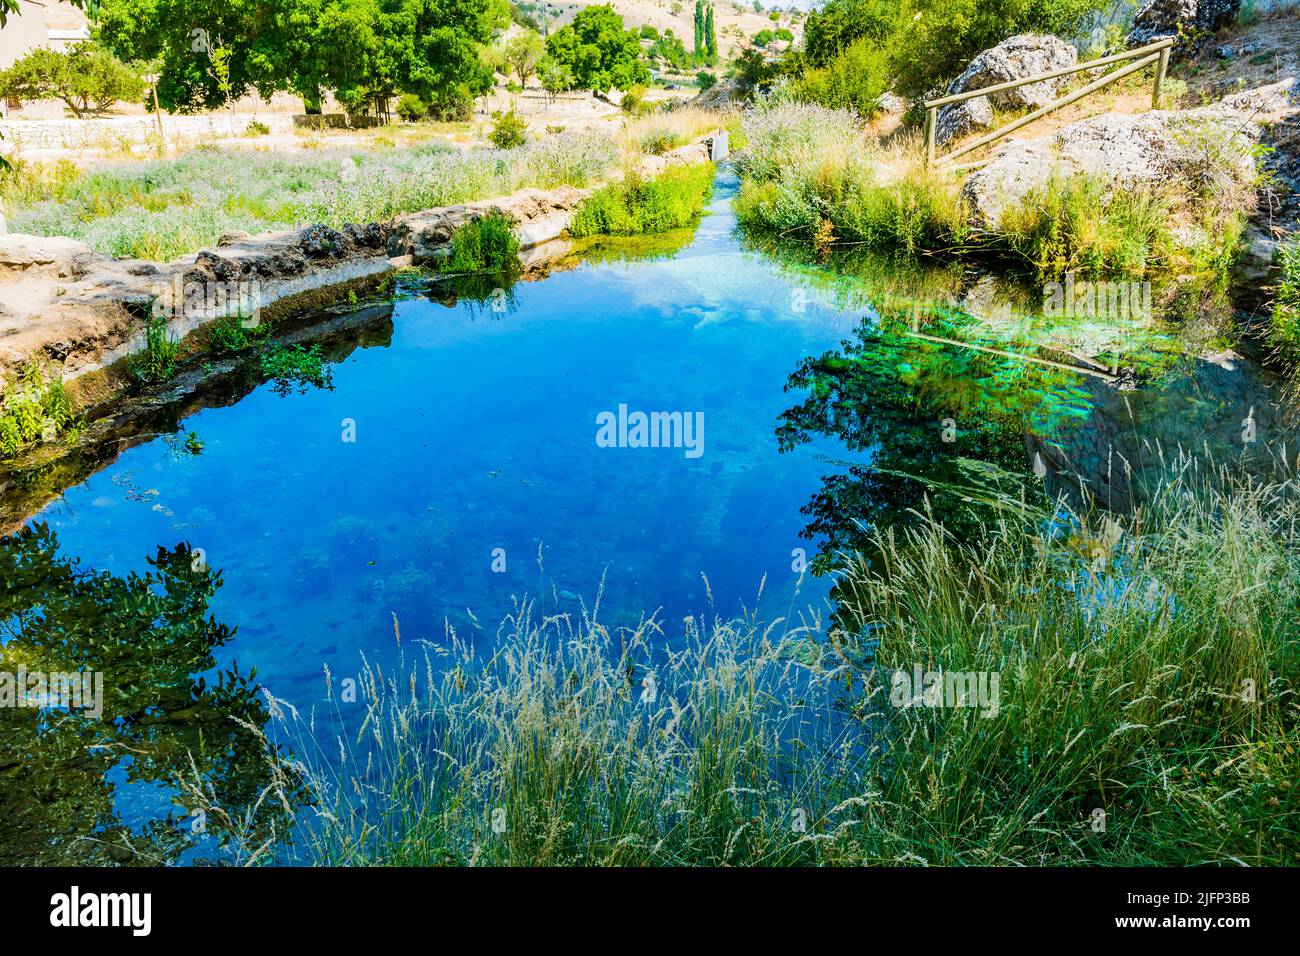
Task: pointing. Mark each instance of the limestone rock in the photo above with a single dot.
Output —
(961, 119)
(44, 255)
(1166, 18)
(1124, 150)
(1020, 56)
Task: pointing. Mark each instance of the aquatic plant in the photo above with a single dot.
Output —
(1286, 300)
(1135, 704)
(672, 200)
(34, 407)
(1076, 225)
(231, 334)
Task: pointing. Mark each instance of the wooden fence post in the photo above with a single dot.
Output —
(1161, 66)
(931, 116)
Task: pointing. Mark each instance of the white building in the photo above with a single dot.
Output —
(52, 23)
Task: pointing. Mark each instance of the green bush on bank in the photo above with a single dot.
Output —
(813, 173)
(34, 407)
(1076, 225)
(633, 207)
(485, 245)
(1286, 300)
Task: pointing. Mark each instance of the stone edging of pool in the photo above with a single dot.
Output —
(97, 314)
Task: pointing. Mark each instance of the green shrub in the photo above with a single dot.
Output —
(257, 128)
(411, 108)
(705, 80)
(660, 140)
(807, 172)
(509, 130)
(232, 334)
(634, 102)
(854, 79)
(486, 245)
(33, 408)
(634, 206)
(1148, 684)
(1286, 301)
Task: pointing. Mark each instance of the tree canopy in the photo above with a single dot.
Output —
(364, 50)
(598, 51)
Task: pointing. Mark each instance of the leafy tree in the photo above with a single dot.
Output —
(936, 39)
(842, 22)
(599, 51)
(13, 6)
(710, 36)
(670, 49)
(365, 50)
(521, 54)
(87, 78)
(554, 76)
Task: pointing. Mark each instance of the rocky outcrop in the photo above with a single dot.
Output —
(961, 119)
(1130, 150)
(97, 318)
(1020, 56)
(1171, 18)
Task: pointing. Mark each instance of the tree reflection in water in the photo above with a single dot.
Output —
(944, 427)
(152, 639)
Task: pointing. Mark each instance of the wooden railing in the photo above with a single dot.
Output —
(1157, 53)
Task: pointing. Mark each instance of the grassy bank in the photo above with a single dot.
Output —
(162, 209)
(1145, 714)
(813, 173)
(634, 206)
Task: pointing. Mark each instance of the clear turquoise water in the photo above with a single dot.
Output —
(476, 431)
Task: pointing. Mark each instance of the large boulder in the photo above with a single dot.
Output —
(1170, 18)
(1016, 58)
(1128, 151)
